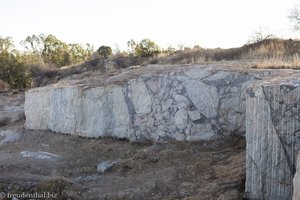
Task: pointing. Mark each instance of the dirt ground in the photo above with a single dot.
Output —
(173, 170)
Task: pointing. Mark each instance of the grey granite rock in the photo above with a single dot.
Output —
(140, 96)
(194, 115)
(176, 102)
(203, 96)
(106, 165)
(39, 155)
(9, 136)
(272, 135)
(181, 119)
(296, 180)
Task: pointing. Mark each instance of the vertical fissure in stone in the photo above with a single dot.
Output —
(250, 139)
(130, 107)
(269, 146)
(286, 138)
(253, 146)
(265, 99)
(275, 143)
(273, 146)
(256, 149)
(262, 143)
(290, 128)
(278, 155)
(108, 110)
(292, 144)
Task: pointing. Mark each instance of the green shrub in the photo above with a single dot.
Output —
(14, 71)
(144, 48)
(104, 51)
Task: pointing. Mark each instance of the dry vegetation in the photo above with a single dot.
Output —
(269, 53)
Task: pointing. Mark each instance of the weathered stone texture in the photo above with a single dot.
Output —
(92, 112)
(272, 135)
(187, 103)
(296, 181)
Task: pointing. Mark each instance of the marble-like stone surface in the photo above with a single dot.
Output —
(184, 103)
(39, 155)
(272, 136)
(296, 180)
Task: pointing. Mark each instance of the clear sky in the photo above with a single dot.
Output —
(207, 23)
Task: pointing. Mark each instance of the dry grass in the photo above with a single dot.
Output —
(270, 53)
(283, 63)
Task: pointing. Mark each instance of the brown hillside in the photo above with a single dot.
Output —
(266, 49)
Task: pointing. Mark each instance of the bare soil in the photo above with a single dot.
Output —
(172, 170)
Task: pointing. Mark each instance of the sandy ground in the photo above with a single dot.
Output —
(43, 161)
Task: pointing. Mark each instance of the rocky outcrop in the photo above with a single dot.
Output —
(272, 135)
(157, 103)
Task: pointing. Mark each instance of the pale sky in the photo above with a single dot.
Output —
(207, 23)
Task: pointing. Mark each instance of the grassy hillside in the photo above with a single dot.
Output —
(267, 53)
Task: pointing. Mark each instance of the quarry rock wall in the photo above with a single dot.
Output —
(186, 104)
(273, 137)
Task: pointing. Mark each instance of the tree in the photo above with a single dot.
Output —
(77, 53)
(89, 49)
(132, 45)
(147, 48)
(48, 49)
(55, 51)
(144, 48)
(294, 17)
(35, 45)
(104, 51)
(6, 44)
(13, 70)
(260, 35)
(170, 50)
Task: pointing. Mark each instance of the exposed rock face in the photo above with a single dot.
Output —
(272, 135)
(181, 103)
(296, 181)
(91, 112)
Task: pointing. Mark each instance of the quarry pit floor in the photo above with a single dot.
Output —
(171, 170)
